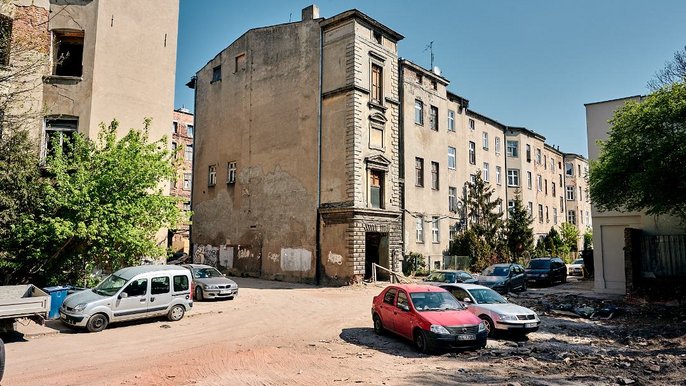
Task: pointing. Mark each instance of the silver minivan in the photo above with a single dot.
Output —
(131, 293)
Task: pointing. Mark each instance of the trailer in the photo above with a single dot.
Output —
(22, 301)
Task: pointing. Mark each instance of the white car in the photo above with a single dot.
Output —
(497, 313)
(576, 268)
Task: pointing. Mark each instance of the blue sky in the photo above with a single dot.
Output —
(531, 63)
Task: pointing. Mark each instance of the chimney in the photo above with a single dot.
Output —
(310, 13)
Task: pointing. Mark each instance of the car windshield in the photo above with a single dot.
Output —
(496, 271)
(578, 261)
(539, 264)
(109, 286)
(206, 273)
(487, 296)
(441, 277)
(434, 301)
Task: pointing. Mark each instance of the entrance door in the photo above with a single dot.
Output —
(371, 252)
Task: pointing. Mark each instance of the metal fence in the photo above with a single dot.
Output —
(456, 262)
(663, 256)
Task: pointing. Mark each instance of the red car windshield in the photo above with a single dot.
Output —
(434, 301)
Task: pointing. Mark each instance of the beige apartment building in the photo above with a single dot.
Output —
(182, 130)
(577, 197)
(296, 162)
(88, 62)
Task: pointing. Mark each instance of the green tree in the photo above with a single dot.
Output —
(102, 207)
(570, 238)
(588, 239)
(519, 233)
(468, 243)
(641, 164)
(553, 242)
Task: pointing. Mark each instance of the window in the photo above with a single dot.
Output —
(552, 186)
(67, 53)
(376, 137)
(187, 206)
(485, 171)
(434, 230)
(472, 153)
(389, 298)
(231, 173)
(579, 170)
(528, 153)
(402, 300)
(554, 215)
(137, 288)
(58, 134)
(552, 164)
(484, 140)
(530, 208)
(545, 162)
(189, 131)
(538, 156)
(377, 83)
(547, 215)
(545, 185)
(512, 149)
(418, 112)
(212, 175)
(452, 199)
(571, 217)
(418, 80)
(216, 74)
(581, 216)
(498, 178)
(180, 283)
(434, 85)
(5, 39)
(512, 177)
(540, 213)
(581, 197)
(497, 145)
(174, 148)
(510, 206)
(377, 37)
(419, 225)
(451, 157)
(186, 181)
(376, 193)
(175, 127)
(451, 120)
(434, 175)
(419, 171)
(454, 229)
(588, 218)
(569, 169)
(240, 63)
(539, 183)
(188, 154)
(529, 183)
(472, 124)
(159, 285)
(433, 118)
(570, 193)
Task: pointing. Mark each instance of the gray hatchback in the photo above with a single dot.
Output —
(209, 283)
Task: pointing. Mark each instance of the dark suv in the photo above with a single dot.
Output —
(504, 278)
(546, 270)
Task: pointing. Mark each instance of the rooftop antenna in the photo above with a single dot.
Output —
(430, 48)
(290, 15)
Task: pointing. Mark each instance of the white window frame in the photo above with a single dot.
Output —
(570, 193)
(452, 158)
(451, 120)
(231, 169)
(419, 227)
(212, 175)
(485, 171)
(498, 175)
(435, 230)
(512, 149)
(513, 177)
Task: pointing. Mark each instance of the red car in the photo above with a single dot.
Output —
(429, 316)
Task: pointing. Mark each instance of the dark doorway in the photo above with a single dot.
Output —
(371, 252)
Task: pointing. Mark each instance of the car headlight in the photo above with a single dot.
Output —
(80, 307)
(544, 275)
(438, 329)
(507, 317)
(211, 286)
(482, 327)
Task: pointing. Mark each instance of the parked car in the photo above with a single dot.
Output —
(546, 270)
(427, 315)
(504, 277)
(131, 293)
(576, 268)
(496, 312)
(450, 276)
(209, 283)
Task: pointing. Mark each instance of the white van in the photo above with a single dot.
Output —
(131, 293)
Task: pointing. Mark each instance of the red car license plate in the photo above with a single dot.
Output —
(466, 337)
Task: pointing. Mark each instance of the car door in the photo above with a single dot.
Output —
(402, 316)
(132, 301)
(387, 308)
(160, 294)
(518, 276)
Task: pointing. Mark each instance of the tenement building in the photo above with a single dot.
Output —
(320, 156)
(182, 127)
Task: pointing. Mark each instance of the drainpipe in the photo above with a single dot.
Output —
(318, 251)
(401, 155)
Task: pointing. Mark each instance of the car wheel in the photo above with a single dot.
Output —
(490, 327)
(378, 326)
(421, 342)
(176, 313)
(97, 323)
(198, 293)
(2, 358)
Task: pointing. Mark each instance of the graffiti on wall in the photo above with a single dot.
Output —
(335, 259)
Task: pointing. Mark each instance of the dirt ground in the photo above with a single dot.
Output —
(283, 334)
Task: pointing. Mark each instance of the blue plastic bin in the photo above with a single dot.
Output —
(57, 296)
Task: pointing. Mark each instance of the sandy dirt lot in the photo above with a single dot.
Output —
(283, 334)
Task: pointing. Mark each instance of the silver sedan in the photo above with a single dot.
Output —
(209, 283)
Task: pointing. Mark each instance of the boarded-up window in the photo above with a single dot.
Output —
(240, 62)
(376, 137)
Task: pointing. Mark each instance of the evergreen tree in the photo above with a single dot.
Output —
(520, 235)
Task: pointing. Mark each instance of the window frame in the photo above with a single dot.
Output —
(435, 176)
(472, 153)
(452, 158)
(419, 112)
(451, 120)
(433, 117)
(513, 177)
(376, 83)
(212, 175)
(512, 148)
(419, 171)
(231, 170)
